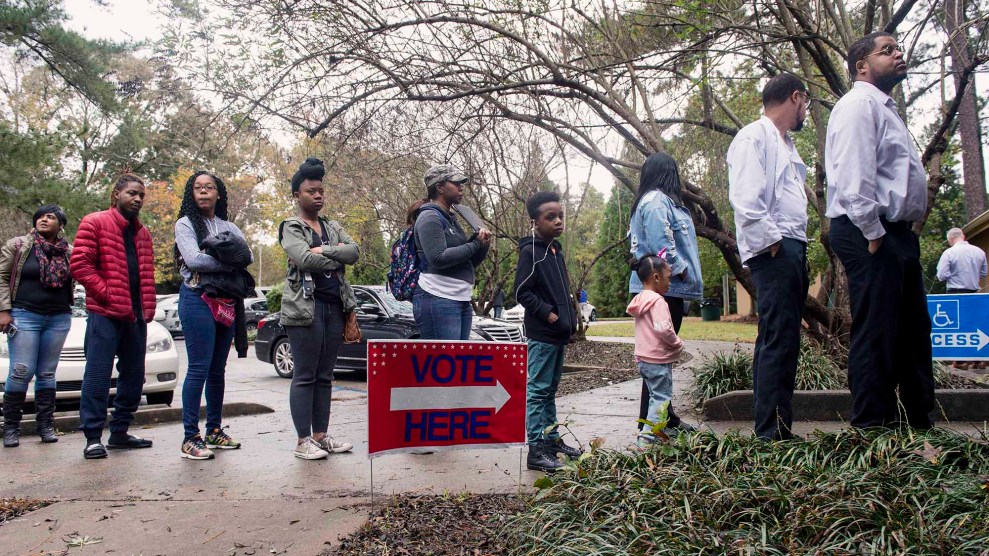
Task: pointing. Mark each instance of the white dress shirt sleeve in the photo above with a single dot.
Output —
(852, 140)
(750, 198)
(944, 266)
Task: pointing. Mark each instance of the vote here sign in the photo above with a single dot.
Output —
(444, 394)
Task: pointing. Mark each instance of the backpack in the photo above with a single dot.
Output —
(403, 274)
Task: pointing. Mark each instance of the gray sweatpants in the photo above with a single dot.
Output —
(314, 351)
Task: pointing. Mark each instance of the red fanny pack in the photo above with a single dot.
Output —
(223, 309)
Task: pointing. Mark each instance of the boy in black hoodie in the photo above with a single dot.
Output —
(543, 288)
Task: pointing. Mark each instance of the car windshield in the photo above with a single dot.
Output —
(394, 305)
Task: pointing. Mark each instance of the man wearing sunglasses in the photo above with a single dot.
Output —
(877, 188)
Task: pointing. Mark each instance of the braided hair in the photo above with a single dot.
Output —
(190, 210)
(647, 265)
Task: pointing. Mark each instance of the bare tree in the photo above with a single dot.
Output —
(591, 75)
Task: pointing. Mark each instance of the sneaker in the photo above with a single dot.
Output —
(332, 446)
(679, 428)
(195, 448)
(216, 438)
(310, 449)
(644, 441)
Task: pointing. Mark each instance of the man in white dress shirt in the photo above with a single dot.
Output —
(877, 188)
(766, 189)
(962, 266)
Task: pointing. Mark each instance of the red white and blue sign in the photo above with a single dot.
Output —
(444, 394)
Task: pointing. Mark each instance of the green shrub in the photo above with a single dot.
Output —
(274, 297)
(722, 372)
(850, 492)
(816, 370)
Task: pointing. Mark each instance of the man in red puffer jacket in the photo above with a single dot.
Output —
(112, 259)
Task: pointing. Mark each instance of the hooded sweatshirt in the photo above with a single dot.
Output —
(542, 286)
(655, 340)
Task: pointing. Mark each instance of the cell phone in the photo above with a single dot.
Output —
(11, 330)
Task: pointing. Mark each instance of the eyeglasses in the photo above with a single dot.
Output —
(207, 187)
(807, 99)
(887, 50)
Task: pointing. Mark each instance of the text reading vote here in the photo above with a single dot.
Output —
(447, 368)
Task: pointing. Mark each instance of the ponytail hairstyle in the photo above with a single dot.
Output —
(190, 210)
(649, 264)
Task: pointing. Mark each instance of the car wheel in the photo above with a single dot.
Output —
(594, 315)
(159, 398)
(252, 327)
(282, 358)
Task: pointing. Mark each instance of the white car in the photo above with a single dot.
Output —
(167, 314)
(161, 371)
(517, 313)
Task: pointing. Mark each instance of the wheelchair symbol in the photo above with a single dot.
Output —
(940, 318)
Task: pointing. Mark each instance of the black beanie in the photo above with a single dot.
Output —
(49, 209)
(311, 169)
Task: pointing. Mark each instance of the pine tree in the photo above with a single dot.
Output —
(609, 282)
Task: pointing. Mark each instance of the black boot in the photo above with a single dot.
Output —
(44, 405)
(559, 447)
(13, 408)
(542, 457)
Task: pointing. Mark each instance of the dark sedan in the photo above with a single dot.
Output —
(381, 316)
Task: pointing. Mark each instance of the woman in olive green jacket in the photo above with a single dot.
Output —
(314, 299)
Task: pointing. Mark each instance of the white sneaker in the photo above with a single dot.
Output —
(310, 449)
(328, 444)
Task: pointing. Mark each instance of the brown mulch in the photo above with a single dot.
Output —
(617, 364)
(449, 525)
(14, 507)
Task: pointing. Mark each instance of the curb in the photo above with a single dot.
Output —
(575, 368)
(836, 405)
(150, 415)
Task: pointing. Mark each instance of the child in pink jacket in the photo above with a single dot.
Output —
(657, 346)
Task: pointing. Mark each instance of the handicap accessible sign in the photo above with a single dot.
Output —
(960, 326)
(444, 395)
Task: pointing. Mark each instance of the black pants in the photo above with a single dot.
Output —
(676, 314)
(315, 350)
(781, 284)
(891, 329)
(960, 290)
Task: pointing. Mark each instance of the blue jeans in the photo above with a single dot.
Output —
(545, 370)
(659, 379)
(35, 348)
(107, 338)
(207, 344)
(439, 318)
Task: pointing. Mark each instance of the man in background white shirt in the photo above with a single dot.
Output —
(766, 188)
(877, 188)
(962, 266)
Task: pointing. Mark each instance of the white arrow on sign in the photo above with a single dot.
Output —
(983, 339)
(449, 397)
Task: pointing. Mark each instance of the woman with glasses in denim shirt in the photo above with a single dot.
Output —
(661, 220)
(36, 314)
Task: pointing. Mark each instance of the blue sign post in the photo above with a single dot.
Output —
(960, 326)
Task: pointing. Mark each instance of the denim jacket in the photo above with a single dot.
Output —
(660, 223)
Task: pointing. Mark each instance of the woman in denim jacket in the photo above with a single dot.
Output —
(660, 220)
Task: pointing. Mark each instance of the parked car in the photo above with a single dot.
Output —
(517, 313)
(381, 316)
(161, 374)
(255, 309)
(167, 314)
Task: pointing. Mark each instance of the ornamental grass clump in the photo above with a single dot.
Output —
(851, 492)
